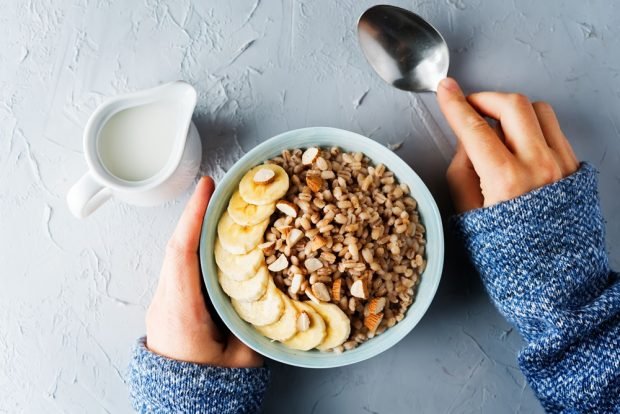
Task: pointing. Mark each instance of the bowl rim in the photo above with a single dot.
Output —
(353, 356)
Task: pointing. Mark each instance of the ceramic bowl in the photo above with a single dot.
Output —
(348, 141)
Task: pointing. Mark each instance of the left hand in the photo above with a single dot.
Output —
(178, 324)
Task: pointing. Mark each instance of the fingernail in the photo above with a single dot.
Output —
(450, 84)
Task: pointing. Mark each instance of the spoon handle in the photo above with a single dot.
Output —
(443, 144)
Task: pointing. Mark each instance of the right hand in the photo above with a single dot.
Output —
(526, 152)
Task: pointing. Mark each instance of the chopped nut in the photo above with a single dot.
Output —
(336, 289)
(285, 229)
(320, 291)
(367, 255)
(268, 248)
(309, 155)
(313, 264)
(296, 283)
(372, 321)
(318, 241)
(311, 296)
(279, 264)
(359, 289)
(287, 208)
(264, 176)
(303, 322)
(353, 250)
(315, 182)
(376, 305)
(293, 237)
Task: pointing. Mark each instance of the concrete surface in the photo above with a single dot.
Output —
(73, 293)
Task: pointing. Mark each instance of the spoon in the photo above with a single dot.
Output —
(403, 48)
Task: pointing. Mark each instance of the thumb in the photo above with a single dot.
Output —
(464, 183)
(181, 270)
(186, 236)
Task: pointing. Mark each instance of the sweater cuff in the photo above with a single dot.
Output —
(160, 384)
(541, 252)
(578, 189)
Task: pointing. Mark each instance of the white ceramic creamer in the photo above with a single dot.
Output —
(141, 148)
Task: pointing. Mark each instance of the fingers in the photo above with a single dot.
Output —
(186, 236)
(518, 120)
(239, 355)
(486, 152)
(555, 138)
(464, 183)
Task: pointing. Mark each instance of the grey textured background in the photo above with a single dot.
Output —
(73, 293)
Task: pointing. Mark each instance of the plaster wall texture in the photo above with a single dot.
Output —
(73, 293)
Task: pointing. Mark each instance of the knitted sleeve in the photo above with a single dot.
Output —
(542, 259)
(162, 385)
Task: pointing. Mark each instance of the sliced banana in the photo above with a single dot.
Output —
(247, 214)
(238, 266)
(265, 311)
(311, 338)
(246, 290)
(337, 323)
(264, 193)
(286, 326)
(237, 239)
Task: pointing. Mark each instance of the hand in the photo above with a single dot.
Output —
(528, 149)
(178, 324)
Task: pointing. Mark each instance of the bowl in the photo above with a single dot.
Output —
(349, 141)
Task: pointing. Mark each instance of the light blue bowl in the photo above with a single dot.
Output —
(349, 141)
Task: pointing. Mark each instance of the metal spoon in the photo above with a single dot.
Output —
(403, 48)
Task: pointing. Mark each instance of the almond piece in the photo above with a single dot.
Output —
(315, 182)
(303, 322)
(293, 236)
(284, 229)
(280, 263)
(372, 321)
(264, 176)
(309, 155)
(376, 305)
(320, 291)
(268, 247)
(313, 264)
(336, 290)
(317, 242)
(359, 289)
(296, 283)
(287, 208)
(311, 296)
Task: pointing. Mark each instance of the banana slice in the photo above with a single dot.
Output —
(312, 337)
(245, 290)
(286, 326)
(265, 310)
(238, 239)
(338, 325)
(247, 214)
(261, 193)
(238, 266)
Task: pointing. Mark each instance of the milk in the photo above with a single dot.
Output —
(136, 143)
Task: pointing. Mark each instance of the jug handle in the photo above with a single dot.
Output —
(86, 196)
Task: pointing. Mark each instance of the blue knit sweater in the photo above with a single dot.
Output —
(542, 259)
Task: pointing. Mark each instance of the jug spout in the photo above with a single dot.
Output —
(180, 99)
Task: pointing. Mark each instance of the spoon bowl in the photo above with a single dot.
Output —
(403, 48)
